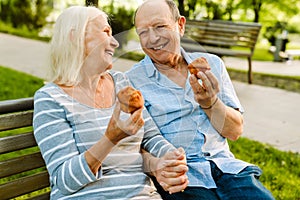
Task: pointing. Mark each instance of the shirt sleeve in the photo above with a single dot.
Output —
(153, 141)
(227, 92)
(67, 168)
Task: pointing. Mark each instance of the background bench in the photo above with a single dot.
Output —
(22, 168)
(223, 38)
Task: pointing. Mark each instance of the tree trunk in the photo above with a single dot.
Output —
(256, 7)
(181, 7)
(91, 3)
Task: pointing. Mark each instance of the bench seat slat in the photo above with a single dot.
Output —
(24, 185)
(21, 164)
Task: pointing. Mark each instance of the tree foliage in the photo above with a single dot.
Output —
(92, 3)
(29, 13)
(225, 9)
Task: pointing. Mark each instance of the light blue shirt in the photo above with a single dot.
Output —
(183, 123)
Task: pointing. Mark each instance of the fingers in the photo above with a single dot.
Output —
(174, 171)
(209, 81)
(173, 185)
(136, 120)
(178, 188)
(196, 86)
(117, 111)
(178, 154)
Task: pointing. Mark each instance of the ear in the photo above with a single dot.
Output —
(181, 25)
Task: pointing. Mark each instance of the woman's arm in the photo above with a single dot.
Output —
(67, 167)
(162, 159)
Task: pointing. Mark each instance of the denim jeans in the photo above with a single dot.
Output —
(242, 186)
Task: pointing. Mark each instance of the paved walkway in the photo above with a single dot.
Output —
(272, 115)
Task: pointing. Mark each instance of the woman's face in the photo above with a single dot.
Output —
(99, 44)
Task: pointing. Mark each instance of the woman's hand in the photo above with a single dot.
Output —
(171, 171)
(118, 129)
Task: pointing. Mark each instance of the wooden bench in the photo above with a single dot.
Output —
(22, 168)
(223, 38)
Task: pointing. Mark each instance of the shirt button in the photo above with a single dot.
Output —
(206, 153)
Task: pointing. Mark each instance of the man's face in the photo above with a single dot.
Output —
(158, 31)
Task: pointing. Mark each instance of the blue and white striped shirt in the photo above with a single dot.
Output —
(64, 129)
(183, 123)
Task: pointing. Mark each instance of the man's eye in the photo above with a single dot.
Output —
(142, 32)
(161, 27)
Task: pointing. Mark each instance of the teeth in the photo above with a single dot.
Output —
(158, 48)
(110, 53)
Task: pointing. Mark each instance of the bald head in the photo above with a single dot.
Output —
(158, 4)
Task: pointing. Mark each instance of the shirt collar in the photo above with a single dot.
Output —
(151, 69)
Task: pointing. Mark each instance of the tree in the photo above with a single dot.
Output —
(259, 6)
(92, 3)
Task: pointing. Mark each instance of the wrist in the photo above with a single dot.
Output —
(210, 106)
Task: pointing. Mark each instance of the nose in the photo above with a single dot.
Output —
(153, 35)
(114, 43)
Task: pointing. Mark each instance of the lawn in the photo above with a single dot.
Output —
(281, 169)
(16, 84)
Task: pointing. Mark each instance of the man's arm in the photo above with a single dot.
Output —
(226, 120)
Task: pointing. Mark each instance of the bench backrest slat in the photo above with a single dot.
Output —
(24, 185)
(22, 168)
(226, 34)
(44, 196)
(21, 164)
(9, 106)
(15, 120)
(17, 142)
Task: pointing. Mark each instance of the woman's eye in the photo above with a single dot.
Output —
(107, 31)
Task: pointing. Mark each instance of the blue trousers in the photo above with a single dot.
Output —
(242, 186)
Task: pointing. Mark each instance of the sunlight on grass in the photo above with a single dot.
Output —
(16, 84)
(281, 170)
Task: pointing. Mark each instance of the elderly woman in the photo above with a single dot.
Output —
(91, 148)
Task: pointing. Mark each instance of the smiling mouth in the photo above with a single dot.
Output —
(159, 47)
(110, 52)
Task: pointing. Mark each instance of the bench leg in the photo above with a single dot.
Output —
(249, 70)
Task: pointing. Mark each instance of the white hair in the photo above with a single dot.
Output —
(67, 45)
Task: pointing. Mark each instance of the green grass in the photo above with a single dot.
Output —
(281, 170)
(262, 53)
(23, 32)
(16, 84)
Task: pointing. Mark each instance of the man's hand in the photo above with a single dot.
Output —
(171, 171)
(206, 93)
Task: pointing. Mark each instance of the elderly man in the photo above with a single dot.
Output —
(198, 112)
